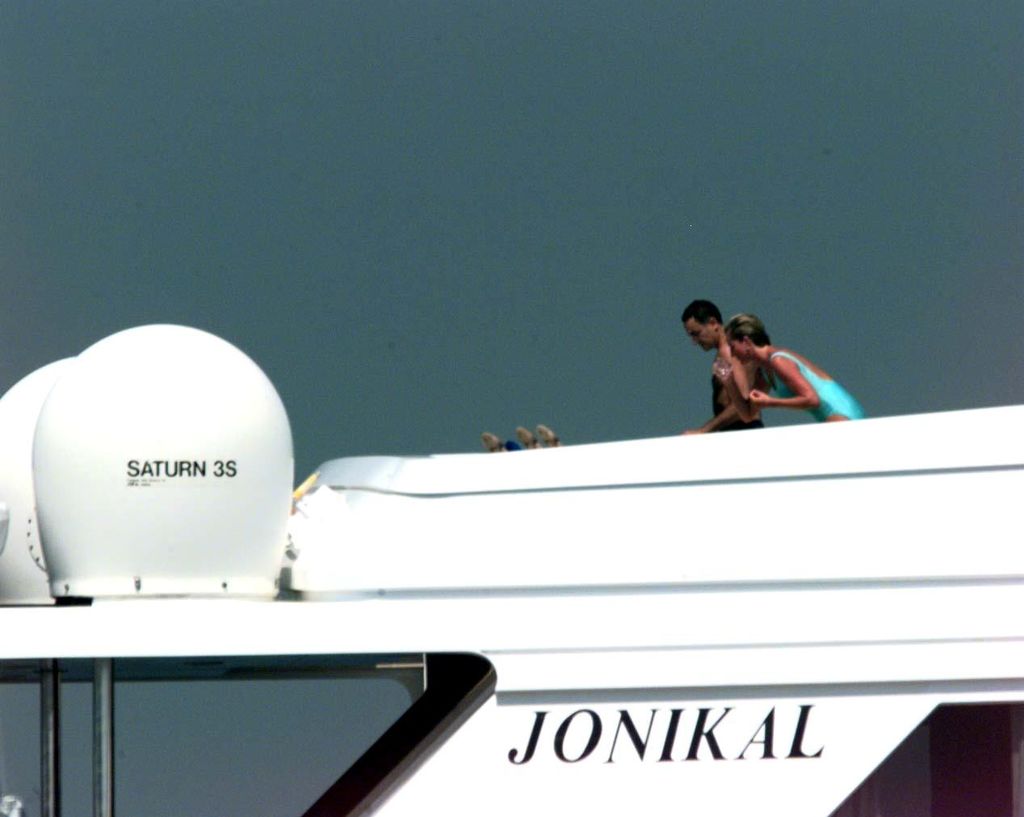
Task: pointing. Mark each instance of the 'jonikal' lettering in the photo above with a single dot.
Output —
(761, 745)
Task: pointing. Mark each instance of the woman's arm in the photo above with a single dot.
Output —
(804, 395)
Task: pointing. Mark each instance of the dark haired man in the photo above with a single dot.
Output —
(703, 323)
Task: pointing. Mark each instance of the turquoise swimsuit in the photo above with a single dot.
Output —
(834, 398)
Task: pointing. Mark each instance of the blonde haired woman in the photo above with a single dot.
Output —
(798, 383)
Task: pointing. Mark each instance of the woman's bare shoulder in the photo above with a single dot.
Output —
(791, 355)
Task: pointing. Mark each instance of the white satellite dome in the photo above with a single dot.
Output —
(4, 519)
(23, 577)
(163, 466)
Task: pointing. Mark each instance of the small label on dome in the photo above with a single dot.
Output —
(143, 473)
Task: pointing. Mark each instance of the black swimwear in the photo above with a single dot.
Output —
(739, 425)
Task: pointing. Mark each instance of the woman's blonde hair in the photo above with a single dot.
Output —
(750, 326)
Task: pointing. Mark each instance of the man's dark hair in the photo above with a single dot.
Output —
(702, 312)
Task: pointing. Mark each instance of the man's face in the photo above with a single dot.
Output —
(705, 335)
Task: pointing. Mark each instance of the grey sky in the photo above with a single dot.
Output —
(427, 219)
(226, 747)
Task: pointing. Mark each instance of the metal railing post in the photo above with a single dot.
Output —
(103, 738)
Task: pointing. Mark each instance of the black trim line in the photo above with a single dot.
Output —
(457, 684)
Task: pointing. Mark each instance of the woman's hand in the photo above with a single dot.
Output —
(758, 397)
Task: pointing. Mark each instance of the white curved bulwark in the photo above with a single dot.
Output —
(902, 498)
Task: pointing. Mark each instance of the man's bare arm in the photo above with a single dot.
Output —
(727, 416)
